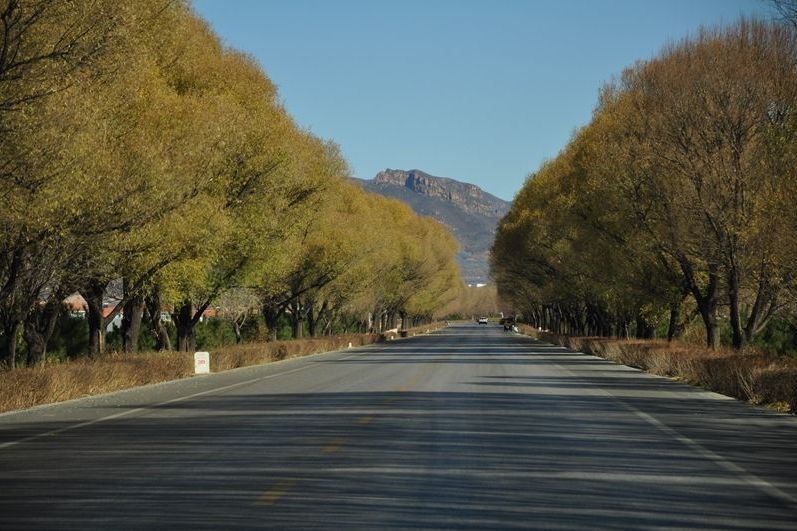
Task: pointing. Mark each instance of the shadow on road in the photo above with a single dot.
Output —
(539, 451)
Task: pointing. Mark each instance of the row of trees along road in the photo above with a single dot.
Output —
(676, 201)
(133, 145)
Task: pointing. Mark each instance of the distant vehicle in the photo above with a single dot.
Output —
(508, 323)
(483, 320)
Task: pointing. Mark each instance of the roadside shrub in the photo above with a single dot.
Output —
(752, 375)
(214, 333)
(57, 381)
(70, 338)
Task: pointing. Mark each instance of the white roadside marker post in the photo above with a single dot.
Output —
(201, 362)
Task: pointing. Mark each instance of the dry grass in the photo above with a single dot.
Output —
(748, 375)
(528, 330)
(410, 332)
(258, 353)
(28, 387)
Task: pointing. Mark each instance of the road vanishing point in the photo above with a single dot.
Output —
(465, 428)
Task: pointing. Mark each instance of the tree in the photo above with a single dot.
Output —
(238, 305)
(667, 193)
(50, 53)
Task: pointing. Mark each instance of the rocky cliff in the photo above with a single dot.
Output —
(469, 212)
(468, 197)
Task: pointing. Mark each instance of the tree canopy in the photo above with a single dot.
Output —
(136, 148)
(676, 200)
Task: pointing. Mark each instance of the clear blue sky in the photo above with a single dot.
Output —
(480, 91)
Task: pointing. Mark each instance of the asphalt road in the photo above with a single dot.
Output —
(468, 427)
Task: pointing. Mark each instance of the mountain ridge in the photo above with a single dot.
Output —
(470, 213)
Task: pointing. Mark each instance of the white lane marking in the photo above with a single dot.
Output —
(746, 476)
(9, 444)
(523, 474)
(361, 350)
(125, 413)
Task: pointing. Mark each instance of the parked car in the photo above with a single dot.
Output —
(483, 320)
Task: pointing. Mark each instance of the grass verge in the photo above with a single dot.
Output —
(49, 383)
(749, 375)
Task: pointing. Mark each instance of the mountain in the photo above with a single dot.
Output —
(470, 213)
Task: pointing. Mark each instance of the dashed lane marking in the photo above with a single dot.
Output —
(423, 372)
(273, 495)
(333, 446)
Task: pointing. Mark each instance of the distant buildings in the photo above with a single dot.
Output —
(76, 307)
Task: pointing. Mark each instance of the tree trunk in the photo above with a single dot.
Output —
(271, 316)
(708, 312)
(766, 297)
(582, 321)
(296, 321)
(315, 318)
(39, 327)
(312, 322)
(236, 325)
(37, 346)
(644, 330)
(674, 328)
(93, 294)
(706, 302)
(739, 337)
(625, 330)
(9, 345)
(183, 320)
(159, 330)
(132, 314)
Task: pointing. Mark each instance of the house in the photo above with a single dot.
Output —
(77, 307)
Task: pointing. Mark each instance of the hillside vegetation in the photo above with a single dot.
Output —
(470, 213)
(134, 145)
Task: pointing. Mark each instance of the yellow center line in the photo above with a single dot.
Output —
(273, 495)
(333, 446)
(416, 378)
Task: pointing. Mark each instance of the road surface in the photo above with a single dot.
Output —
(468, 427)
